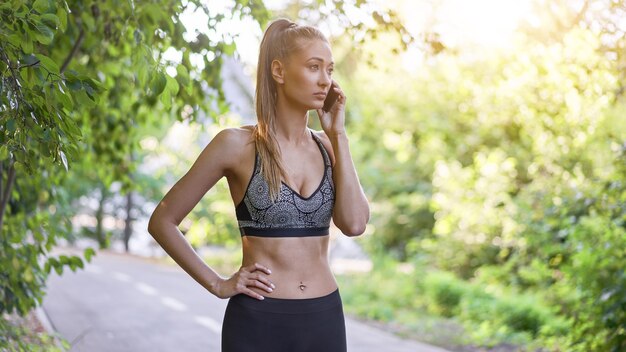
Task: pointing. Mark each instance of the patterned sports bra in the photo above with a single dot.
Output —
(291, 215)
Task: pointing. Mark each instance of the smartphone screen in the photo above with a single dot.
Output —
(331, 98)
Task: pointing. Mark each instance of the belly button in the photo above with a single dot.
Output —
(302, 286)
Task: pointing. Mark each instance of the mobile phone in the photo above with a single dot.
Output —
(331, 98)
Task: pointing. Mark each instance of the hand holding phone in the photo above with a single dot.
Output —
(331, 98)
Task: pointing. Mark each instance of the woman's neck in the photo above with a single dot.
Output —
(291, 125)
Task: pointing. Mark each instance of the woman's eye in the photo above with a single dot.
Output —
(314, 67)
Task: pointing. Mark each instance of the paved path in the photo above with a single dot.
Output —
(126, 303)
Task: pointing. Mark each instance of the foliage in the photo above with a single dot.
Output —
(78, 79)
(490, 316)
(505, 170)
(589, 272)
(17, 335)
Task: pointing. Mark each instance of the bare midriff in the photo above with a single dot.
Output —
(299, 265)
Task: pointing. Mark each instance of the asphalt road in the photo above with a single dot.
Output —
(127, 303)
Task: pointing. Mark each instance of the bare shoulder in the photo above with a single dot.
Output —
(233, 140)
(241, 134)
(226, 149)
(326, 142)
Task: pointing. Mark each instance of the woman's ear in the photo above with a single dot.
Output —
(278, 71)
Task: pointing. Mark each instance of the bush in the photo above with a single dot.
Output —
(445, 292)
(521, 315)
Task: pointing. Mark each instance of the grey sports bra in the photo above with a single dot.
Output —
(291, 215)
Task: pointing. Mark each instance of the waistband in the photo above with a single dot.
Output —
(289, 305)
(284, 232)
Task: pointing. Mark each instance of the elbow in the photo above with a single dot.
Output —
(357, 226)
(354, 230)
(159, 223)
(154, 224)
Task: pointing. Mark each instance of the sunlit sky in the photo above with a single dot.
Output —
(483, 22)
(488, 23)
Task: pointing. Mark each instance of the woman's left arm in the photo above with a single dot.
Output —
(351, 212)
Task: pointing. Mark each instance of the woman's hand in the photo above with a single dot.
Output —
(251, 275)
(333, 122)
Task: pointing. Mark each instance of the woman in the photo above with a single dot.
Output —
(284, 296)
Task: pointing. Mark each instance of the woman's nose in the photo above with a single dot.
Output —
(326, 80)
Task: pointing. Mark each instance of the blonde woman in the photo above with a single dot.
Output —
(287, 182)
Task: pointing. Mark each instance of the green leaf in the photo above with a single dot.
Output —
(68, 125)
(166, 99)
(73, 263)
(89, 91)
(77, 261)
(45, 35)
(158, 83)
(83, 99)
(172, 85)
(95, 85)
(73, 82)
(4, 152)
(27, 44)
(58, 268)
(14, 39)
(66, 100)
(41, 6)
(11, 126)
(89, 252)
(50, 20)
(143, 74)
(182, 75)
(47, 63)
(62, 16)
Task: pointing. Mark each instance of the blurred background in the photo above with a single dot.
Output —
(489, 137)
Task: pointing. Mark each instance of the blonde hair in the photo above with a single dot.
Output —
(281, 39)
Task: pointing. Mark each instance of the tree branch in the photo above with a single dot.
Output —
(77, 44)
(6, 194)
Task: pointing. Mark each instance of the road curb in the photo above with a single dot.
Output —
(41, 315)
(45, 322)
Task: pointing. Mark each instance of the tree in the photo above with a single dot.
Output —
(78, 78)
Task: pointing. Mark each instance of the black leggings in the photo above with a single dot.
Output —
(280, 324)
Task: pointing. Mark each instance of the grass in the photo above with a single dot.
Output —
(26, 333)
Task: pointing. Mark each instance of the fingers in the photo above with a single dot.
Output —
(342, 96)
(259, 284)
(252, 276)
(256, 266)
(337, 88)
(249, 292)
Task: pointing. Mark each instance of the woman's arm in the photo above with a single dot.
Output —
(212, 164)
(351, 212)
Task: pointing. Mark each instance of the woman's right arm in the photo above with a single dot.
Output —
(212, 164)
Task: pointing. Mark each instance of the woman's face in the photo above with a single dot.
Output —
(307, 75)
